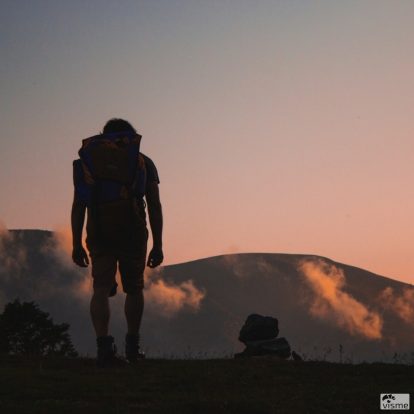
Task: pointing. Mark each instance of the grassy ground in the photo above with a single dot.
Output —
(197, 386)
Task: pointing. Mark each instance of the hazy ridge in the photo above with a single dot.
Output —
(197, 308)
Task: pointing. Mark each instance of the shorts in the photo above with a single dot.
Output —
(131, 263)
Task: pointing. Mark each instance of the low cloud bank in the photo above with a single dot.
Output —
(13, 257)
(163, 297)
(60, 246)
(243, 269)
(401, 304)
(331, 303)
(168, 298)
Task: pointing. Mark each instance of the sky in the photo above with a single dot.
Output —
(276, 126)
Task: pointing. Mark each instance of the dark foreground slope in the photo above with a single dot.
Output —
(195, 386)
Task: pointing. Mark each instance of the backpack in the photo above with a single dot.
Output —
(113, 187)
(259, 334)
(259, 328)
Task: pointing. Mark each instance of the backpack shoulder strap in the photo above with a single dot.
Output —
(140, 180)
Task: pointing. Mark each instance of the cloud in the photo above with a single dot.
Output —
(163, 297)
(58, 276)
(60, 246)
(245, 268)
(402, 305)
(13, 255)
(168, 298)
(264, 266)
(233, 262)
(332, 303)
(40, 268)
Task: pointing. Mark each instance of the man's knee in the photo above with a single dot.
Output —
(103, 272)
(135, 289)
(101, 291)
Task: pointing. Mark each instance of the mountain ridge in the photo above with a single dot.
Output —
(202, 304)
(217, 256)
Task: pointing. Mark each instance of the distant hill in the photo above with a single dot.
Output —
(196, 309)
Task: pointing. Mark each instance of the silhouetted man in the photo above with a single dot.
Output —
(111, 179)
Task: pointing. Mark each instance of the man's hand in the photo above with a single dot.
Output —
(80, 257)
(155, 257)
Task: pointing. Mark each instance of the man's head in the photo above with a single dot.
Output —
(118, 125)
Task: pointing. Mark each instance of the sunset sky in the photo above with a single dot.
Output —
(276, 126)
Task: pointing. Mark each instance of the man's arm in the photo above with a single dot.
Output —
(152, 196)
(79, 255)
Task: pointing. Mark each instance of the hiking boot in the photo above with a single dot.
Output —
(107, 353)
(132, 351)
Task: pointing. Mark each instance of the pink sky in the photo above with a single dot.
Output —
(276, 127)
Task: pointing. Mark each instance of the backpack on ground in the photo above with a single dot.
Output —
(259, 328)
(259, 334)
(113, 186)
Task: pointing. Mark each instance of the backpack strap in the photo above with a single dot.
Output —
(140, 180)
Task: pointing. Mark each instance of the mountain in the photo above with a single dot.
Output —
(326, 310)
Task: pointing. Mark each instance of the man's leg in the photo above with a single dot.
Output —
(134, 306)
(100, 311)
(103, 273)
(131, 267)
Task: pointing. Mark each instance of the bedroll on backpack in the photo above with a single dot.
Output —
(114, 178)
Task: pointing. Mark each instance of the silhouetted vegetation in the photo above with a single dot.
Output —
(27, 330)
